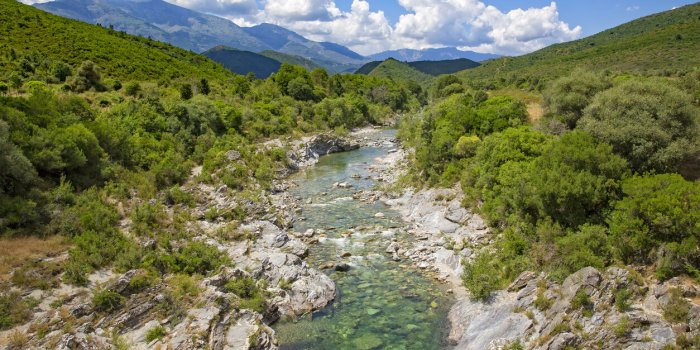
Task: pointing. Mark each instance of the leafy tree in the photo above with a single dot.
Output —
(185, 91)
(87, 77)
(60, 70)
(299, 89)
(658, 211)
(568, 96)
(651, 123)
(288, 73)
(203, 86)
(443, 82)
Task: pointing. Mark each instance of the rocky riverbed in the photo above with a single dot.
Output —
(612, 309)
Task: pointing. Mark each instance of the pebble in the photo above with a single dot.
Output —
(379, 215)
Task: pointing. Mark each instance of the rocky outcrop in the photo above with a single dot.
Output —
(305, 152)
(584, 311)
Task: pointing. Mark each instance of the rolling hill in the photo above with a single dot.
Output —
(395, 70)
(665, 41)
(433, 68)
(199, 32)
(441, 54)
(243, 62)
(26, 30)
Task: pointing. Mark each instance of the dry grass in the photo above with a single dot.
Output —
(535, 111)
(15, 252)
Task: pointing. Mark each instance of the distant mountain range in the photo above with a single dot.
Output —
(201, 33)
(447, 53)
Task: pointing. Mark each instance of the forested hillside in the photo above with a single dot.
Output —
(26, 31)
(243, 62)
(659, 44)
(91, 117)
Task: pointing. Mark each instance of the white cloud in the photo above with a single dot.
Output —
(467, 24)
(632, 8)
(32, 2)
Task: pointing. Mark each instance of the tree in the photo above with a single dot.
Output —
(652, 124)
(87, 77)
(4, 88)
(657, 211)
(568, 96)
(132, 88)
(300, 90)
(288, 73)
(60, 70)
(204, 86)
(185, 91)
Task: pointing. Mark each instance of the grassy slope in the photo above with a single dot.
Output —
(291, 59)
(433, 68)
(668, 40)
(26, 30)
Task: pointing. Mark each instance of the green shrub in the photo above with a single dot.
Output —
(658, 213)
(651, 123)
(479, 277)
(677, 310)
(252, 296)
(622, 299)
(570, 95)
(107, 300)
(157, 332)
(13, 310)
(581, 300)
(622, 327)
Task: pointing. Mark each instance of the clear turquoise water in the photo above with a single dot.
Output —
(381, 304)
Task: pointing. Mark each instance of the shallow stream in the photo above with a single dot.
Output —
(381, 304)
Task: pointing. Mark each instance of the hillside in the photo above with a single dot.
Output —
(159, 20)
(27, 30)
(291, 59)
(441, 54)
(433, 68)
(398, 71)
(195, 31)
(667, 41)
(243, 62)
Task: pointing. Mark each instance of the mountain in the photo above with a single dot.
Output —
(433, 68)
(159, 20)
(666, 41)
(199, 32)
(28, 30)
(295, 60)
(243, 62)
(334, 57)
(395, 70)
(447, 53)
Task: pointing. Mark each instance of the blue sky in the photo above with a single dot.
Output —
(592, 15)
(505, 27)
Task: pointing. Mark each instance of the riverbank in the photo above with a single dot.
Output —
(615, 308)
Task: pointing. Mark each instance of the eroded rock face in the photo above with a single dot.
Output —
(513, 315)
(306, 152)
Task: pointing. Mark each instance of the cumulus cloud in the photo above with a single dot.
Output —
(32, 2)
(466, 24)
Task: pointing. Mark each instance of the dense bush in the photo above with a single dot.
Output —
(653, 124)
(568, 96)
(658, 220)
(107, 300)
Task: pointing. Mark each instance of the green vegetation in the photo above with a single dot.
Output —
(677, 309)
(434, 68)
(251, 295)
(157, 332)
(97, 126)
(107, 300)
(14, 309)
(660, 44)
(398, 71)
(243, 62)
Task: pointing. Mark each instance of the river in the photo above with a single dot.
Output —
(381, 304)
